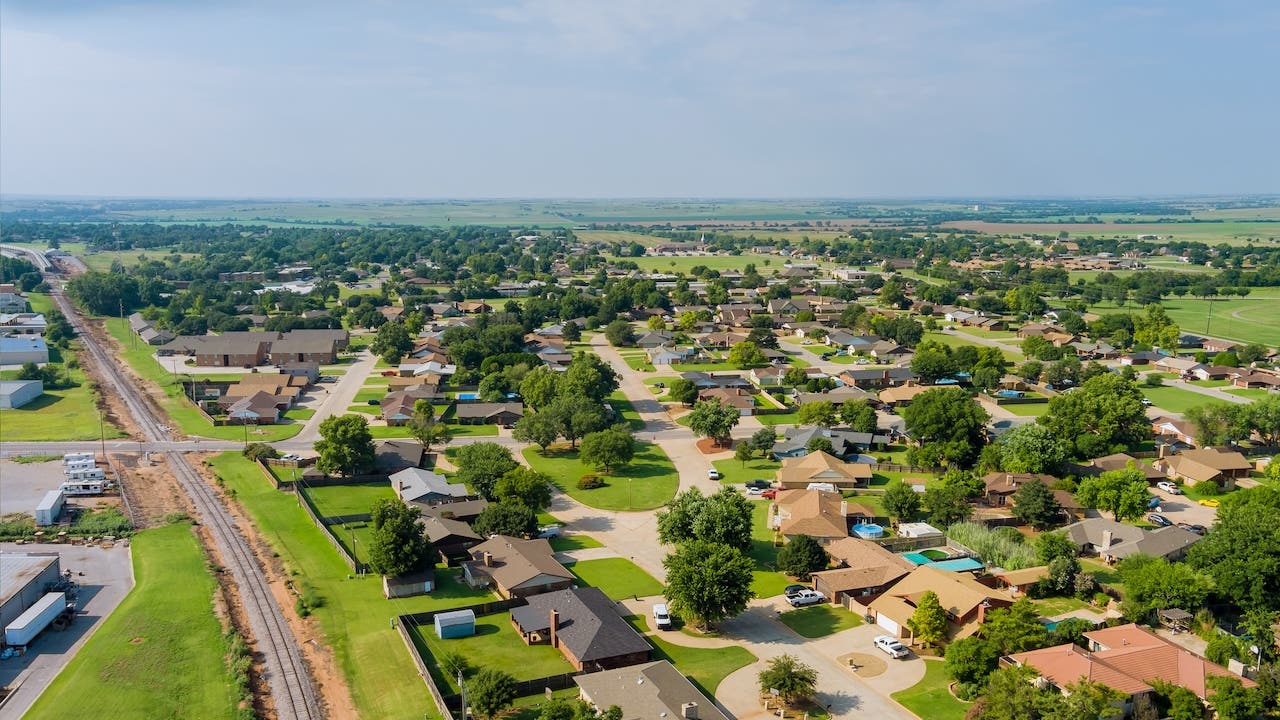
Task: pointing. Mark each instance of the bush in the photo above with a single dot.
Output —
(590, 482)
(1207, 488)
(1101, 599)
(260, 451)
(1153, 380)
(1221, 649)
(105, 521)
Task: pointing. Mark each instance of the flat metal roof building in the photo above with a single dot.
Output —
(23, 578)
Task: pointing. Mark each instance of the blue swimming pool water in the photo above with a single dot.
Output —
(958, 565)
(1009, 393)
(916, 558)
(468, 396)
(868, 530)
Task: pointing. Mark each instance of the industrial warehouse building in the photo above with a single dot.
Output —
(16, 393)
(16, 350)
(23, 579)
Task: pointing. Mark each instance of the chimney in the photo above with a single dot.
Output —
(1162, 450)
(555, 625)
(885, 376)
(488, 559)
(844, 508)
(689, 711)
(1106, 540)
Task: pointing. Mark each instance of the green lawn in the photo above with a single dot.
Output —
(1028, 409)
(649, 481)
(574, 541)
(402, 431)
(791, 418)
(959, 341)
(734, 472)
(930, 697)
(348, 499)
(819, 620)
(622, 406)
(766, 580)
(366, 394)
(1057, 605)
(1249, 393)
(1174, 399)
(70, 414)
(495, 644)
(355, 619)
(617, 577)
(188, 419)
(1248, 319)
(638, 362)
(1210, 383)
(706, 667)
(161, 653)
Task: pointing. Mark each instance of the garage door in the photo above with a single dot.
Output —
(888, 624)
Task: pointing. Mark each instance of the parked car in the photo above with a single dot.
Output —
(548, 531)
(762, 484)
(290, 458)
(791, 590)
(661, 618)
(755, 492)
(1146, 402)
(714, 474)
(891, 646)
(389, 373)
(1208, 502)
(1192, 528)
(806, 597)
(769, 494)
(1158, 519)
(1169, 487)
(1153, 503)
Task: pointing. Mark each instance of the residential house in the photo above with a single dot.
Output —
(737, 398)
(1144, 357)
(1256, 379)
(1126, 658)
(585, 626)
(872, 378)
(824, 516)
(965, 600)
(1179, 365)
(819, 467)
(305, 346)
(864, 569)
(999, 487)
(668, 355)
(1217, 372)
(260, 408)
(475, 307)
(155, 337)
(650, 690)
(770, 376)
(1173, 430)
(903, 394)
(423, 488)
(233, 349)
(1117, 461)
(515, 567)
(844, 443)
(395, 455)
(1193, 466)
(721, 340)
(837, 396)
(1113, 541)
(1019, 582)
(503, 413)
(1035, 329)
(450, 538)
(1214, 346)
(704, 381)
(397, 406)
(654, 339)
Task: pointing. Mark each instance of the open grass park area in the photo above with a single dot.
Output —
(69, 414)
(618, 578)
(352, 614)
(161, 653)
(649, 481)
(735, 472)
(819, 620)
(930, 697)
(1174, 399)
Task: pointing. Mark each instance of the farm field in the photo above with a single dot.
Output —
(1231, 232)
(161, 653)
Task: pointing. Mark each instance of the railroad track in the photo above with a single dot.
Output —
(285, 672)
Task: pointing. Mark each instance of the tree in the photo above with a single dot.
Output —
(933, 362)
(399, 544)
(1242, 554)
(949, 419)
(859, 416)
(746, 354)
(1030, 370)
(514, 519)
(1053, 545)
(743, 452)
(1153, 327)
(819, 444)
(947, 505)
(762, 441)
(928, 624)
(970, 660)
(682, 391)
(821, 412)
(575, 416)
(1183, 704)
(1103, 415)
(1015, 629)
(1012, 695)
(527, 487)
(1087, 699)
(345, 445)
(481, 464)
(1231, 700)
(539, 428)
(763, 337)
(608, 449)
(1156, 584)
(490, 692)
(790, 677)
(620, 333)
(1031, 448)
(723, 518)
(1220, 423)
(900, 501)
(1122, 492)
(802, 556)
(539, 387)
(391, 342)
(1034, 504)
(588, 377)
(708, 582)
(713, 419)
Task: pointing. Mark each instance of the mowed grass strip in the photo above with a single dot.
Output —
(616, 577)
(930, 697)
(348, 499)
(496, 644)
(1174, 399)
(161, 653)
(649, 481)
(766, 580)
(819, 620)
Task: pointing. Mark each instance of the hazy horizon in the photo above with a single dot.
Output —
(638, 99)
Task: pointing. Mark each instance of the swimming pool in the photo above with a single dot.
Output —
(868, 530)
(1010, 393)
(468, 396)
(962, 564)
(916, 558)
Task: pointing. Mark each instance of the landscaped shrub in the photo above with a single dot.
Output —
(1208, 488)
(590, 482)
(994, 548)
(258, 451)
(1221, 649)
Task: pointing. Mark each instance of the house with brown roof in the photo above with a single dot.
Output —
(1173, 430)
(819, 467)
(1127, 658)
(515, 567)
(261, 408)
(503, 413)
(736, 398)
(822, 515)
(999, 487)
(1193, 466)
(864, 569)
(965, 600)
(649, 690)
(902, 394)
(585, 626)
(1256, 380)
(450, 538)
(1117, 461)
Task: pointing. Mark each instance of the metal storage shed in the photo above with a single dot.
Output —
(455, 624)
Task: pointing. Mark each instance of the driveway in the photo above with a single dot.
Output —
(336, 397)
(1180, 509)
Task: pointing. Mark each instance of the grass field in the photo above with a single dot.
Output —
(1249, 393)
(616, 577)
(495, 644)
(621, 405)
(734, 472)
(1248, 319)
(819, 620)
(161, 653)
(706, 667)
(354, 617)
(930, 697)
(1174, 399)
(348, 499)
(766, 580)
(960, 340)
(648, 482)
(70, 414)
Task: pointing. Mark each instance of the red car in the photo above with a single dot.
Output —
(769, 494)
(389, 373)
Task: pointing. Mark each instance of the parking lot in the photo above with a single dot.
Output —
(22, 485)
(105, 576)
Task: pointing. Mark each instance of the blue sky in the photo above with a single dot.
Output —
(644, 98)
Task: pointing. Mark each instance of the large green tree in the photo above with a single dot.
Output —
(819, 412)
(538, 428)
(1122, 492)
(391, 342)
(1104, 415)
(708, 582)
(859, 416)
(746, 354)
(345, 445)
(1031, 448)
(527, 487)
(1035, 504)
(588, 376)
(576, 416)
(788, 676)
(539, 387)
(801, 557)
(713, 419)
(514, 519)
(948, 420)
(1156, 584)
(1016, 628)
(490, 692)
(947, 505)
(481, 464)
(682, 391)
(398, 544)
(1242, 553)
(723, 518)
(970, 660)
(901, 501)
(608, 449)
(928, 624)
